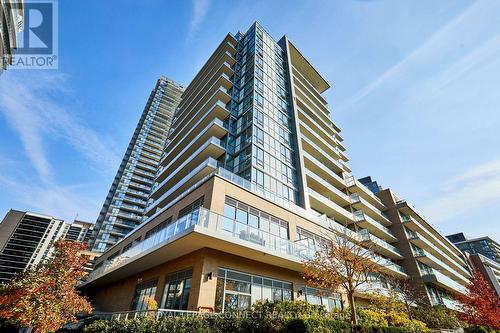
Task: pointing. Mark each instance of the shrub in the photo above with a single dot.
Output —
(369, 317)
(438, 317)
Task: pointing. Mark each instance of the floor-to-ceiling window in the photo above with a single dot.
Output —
(238, 290)
(144, 294)
(328, 299)
(177, 290)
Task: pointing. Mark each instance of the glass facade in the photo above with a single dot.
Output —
(483, 246)
(261, 145)
(238, 290)
(252, 220)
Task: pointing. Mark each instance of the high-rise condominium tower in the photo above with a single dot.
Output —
(252, 181)
(11, 23)
(124, 205)
(25, 240)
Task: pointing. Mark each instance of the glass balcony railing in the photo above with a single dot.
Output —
(443, 279)
(132, 207)
(329, 186)
(331, 203)
(355, 198)
(366, 236)
(224, 227)
(359, 215)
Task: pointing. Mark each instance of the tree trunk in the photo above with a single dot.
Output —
(352, 306)
(408, 308)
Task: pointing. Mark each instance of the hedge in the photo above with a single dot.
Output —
(223, 324)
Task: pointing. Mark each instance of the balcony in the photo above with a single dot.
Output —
(130, 216)
(135, 200)
(426, 245)
(142, 180)
(217, 91)
(137, 193)
(325, 125)
(132, 208)
(328, 189)
(218, 111)
(204, 169)
(214, 129)
(434, 276)
(213, 148)
(360, 203)
(331, 149)
(376, 228)
(427, 230)
(139, 186)
(430, 260)
(361, 189)
(380, 245)
(329, 207)
(186, 235)
(390, 267)
(314, 150)
(320, 169)
(304, 118)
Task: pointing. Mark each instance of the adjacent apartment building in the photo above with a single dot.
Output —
(78, 231)
(482, 245)
(483, 254)
(12, 21)
(253, 179)
(434, 264)
(26, 239)
(124, 206)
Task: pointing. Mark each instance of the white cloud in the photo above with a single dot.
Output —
(28, 103)
(63, 202)
(40, 108)
(464, 193)
(200, 10)
(437, 45)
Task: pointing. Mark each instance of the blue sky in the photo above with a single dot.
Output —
(415, 89)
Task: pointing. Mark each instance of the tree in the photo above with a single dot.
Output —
(480, 306)
(409, 293)
(45, 297)
(341, 263)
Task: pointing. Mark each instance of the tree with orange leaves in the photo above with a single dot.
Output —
(45, 298)
(480, 306)
(342, 263)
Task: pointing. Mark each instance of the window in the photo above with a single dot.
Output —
(158, 227)
(259, 116)
(144, 292)
(259, 156)
(177, 290)
(237, 216)
(260, 178)
(259, 135)
(238, 291)
(326, 298)
(259, 99)
(188, 216)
